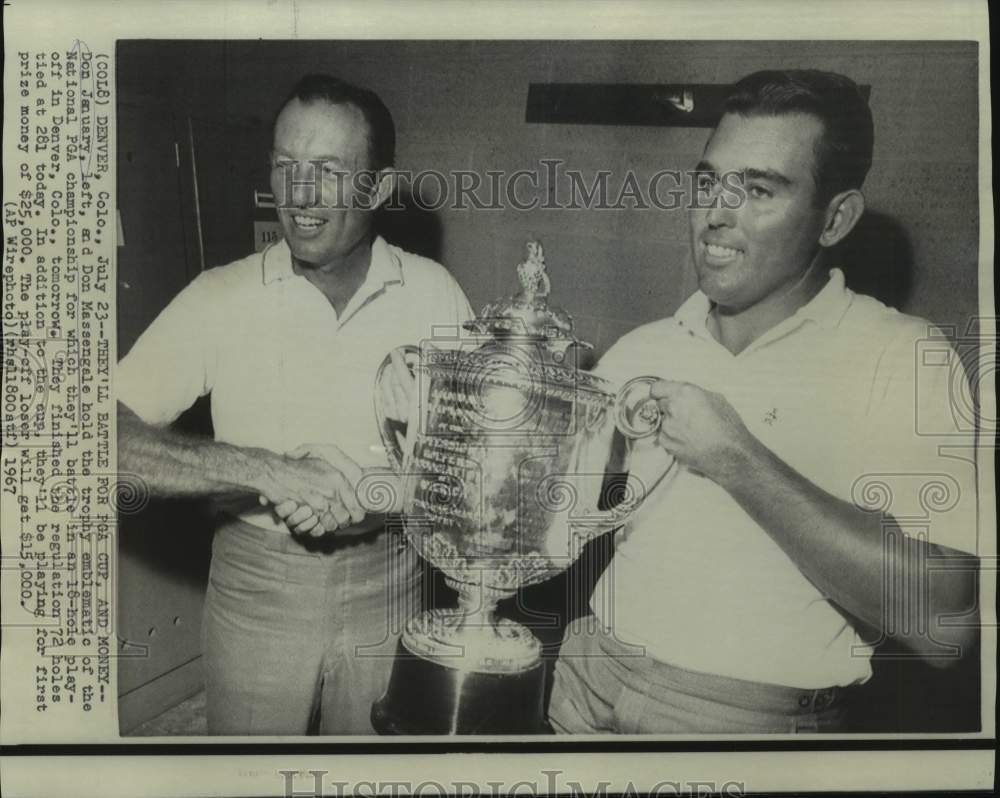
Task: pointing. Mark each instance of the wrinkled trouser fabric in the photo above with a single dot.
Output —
(296, 641)
(602, 686)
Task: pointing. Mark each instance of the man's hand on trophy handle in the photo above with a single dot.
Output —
(702, 429)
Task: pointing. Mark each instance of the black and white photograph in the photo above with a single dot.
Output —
(508, 397)
(548, 387)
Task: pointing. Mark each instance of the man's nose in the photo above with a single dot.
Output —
(303, 187)
(713, 210)
(720, 214)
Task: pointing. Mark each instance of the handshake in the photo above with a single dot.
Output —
(315, 488)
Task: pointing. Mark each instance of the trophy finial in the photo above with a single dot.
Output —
(534, 280)
(528, 313)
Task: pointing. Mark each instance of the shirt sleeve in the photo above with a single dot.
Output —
(921, 439)
(170, 365)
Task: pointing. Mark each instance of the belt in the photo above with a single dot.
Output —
(757, 696)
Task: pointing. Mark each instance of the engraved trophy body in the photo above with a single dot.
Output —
(502, 473)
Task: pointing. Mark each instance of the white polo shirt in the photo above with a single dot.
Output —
(843, 392)
(282, 367)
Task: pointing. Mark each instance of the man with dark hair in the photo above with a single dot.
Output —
(843, 154)
(381, 135)
(288, 341)
(794, 529)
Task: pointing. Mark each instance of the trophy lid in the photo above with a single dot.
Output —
(528, 313)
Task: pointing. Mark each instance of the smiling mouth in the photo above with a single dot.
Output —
(307, 223)
(721, 254)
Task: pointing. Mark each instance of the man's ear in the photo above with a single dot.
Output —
(842, 213)
(384, 186)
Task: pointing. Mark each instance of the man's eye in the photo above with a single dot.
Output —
(332, 170)
(758, 192)
(284, 164)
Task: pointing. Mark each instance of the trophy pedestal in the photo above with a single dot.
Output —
(464, 671)
(428, 697)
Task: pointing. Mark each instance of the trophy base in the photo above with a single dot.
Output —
(430, 697)
(478, 641)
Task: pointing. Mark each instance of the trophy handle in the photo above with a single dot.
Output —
(388, 427)
(636, 415)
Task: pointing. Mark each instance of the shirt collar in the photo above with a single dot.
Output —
(385, 266)
(277, 262)
(693, 314)
(827, 308)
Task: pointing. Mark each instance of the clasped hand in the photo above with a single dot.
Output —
(701, 429)
(314, 490)
(318, 493)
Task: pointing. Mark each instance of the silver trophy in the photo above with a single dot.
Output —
(502, 470)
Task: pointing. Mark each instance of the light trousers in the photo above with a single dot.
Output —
(602, 686)
(298, 641)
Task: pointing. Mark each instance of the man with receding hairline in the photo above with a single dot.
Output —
(749, 590)
(297, 627)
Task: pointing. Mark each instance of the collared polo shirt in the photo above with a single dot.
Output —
(282, 367)
(844, 393)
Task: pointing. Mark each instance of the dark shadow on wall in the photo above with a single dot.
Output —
(406, 222)
(174, 536)
(877, 259)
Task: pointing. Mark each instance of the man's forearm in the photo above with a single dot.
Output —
(176, 465)
(842, 550)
